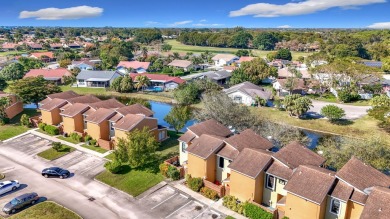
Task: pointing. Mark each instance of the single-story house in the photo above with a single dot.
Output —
(244, 59)
(55, 46)
(96, 78)
(54, 75)
(165, 82)
(9, 46)
(219, 77)
(82, 65)
(44, 56)
(247, 92)
(35, 46)
(224, 59)
(136, 66)
(285, 73)
(282, 87)
(15, 107)
(182, 64)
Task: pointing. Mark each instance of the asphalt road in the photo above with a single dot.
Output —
(351, 112)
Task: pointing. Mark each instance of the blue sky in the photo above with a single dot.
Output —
(197, 13)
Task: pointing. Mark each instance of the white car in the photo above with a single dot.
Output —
(7, 186)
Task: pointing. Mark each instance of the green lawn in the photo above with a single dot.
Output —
(51, 154)
(14, 128)
(46, 210)
(15, 53)
(179, 47)
(68, 139)
(43, 132)
(332, 99)
(94, 148)
(136, 181)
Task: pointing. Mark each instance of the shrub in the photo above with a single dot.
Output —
(332, 112)
(346, 96)
(209, 193)
(42, 126)
(230, 217)
(113, 166)
(188, 177)
(76, 137)
(87, 138)
(285, 217)
(195, 183)
(164, 169)
(173, 173)
(57, 146)
(233, 204)
(254, 212)
(25, 120)
(52, 130)
(93, 142)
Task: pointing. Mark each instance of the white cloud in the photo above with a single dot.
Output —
(207, 25)
(298, 8)
(203, 20)
(284, 26)
(63, 13)
(178, 23)
(380, 25)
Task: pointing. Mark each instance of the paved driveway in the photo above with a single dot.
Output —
(352, 112)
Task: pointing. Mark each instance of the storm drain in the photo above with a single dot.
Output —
(91, 199)
(198, 208)
(214, 216)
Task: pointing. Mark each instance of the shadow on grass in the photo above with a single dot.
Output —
(342, 122)
(64, 149)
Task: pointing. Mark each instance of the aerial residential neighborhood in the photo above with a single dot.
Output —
(194, 110)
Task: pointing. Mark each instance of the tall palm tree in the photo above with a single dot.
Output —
(142, 82)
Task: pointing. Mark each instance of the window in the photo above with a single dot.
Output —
(221, 162)
(283, 182)
(184, 147)
(335, 206)
(237, 99)
(270, 184)
(111, 126)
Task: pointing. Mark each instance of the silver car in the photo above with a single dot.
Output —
(7, 186)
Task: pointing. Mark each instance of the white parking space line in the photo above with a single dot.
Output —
(179, 209)
(164, 201)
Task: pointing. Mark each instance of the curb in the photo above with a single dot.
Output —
(65, 208)
(18, 136)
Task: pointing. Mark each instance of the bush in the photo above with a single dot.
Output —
(332, 112)
(209, 193)
(57, 146)
(4, 121)
(173, 173)
(230, 217)
(42, 126)
(347, 96)
(254, 212)
(52, 130)
(25, 120)
(75, 137)
(195, 183)
(113, 166)
(87, 138)
(93, 142)
(164, 169)
(233, 204)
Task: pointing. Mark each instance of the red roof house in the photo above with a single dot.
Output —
(55, 75)
(139, 67)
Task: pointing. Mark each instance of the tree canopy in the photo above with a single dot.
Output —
(254, 71)
(13, 71)
(178, 117)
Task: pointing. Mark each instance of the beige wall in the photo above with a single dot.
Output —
(51, 117)
(69, 124)
(79, 123)
(245, 188)
(222, 173)
(120, 134)
(183, 155)
(196, 166)
(298, 208)
(341, 215)
(270, 197)
(99, 131)
(354, 210)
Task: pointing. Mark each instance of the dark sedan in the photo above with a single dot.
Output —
(55, 172)
(20, 202)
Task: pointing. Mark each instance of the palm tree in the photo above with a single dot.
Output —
(142, 82)
(260, 101)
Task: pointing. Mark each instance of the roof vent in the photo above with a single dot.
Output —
(300, 172)
(380, 209)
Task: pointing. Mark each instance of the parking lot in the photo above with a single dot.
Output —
(167, 202)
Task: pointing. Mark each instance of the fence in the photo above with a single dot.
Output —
(219, 189)
(105, 144)
(172, 161)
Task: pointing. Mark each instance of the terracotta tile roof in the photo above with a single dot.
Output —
(245, 59)
(40, 54)
(35, 45)
(158, 77)
(75, 109)
(133, 64)
(135, 109)
(48, 73)
(359, 197)
(248, 139)
(285, 73)
(108, 104)
(130, 121)
(251, 162)
(228, 152)
(279, 170)
(100, 115)
(55, 45)
(180, 63)
(84, 99)
(187, 137)
(9, 45)
(226, 57)
(362, 176)
(377, 205)
(211, 127)
(64, 95)
(342, 191)
(55, 103)
(295, 154)
(205, 145)
(310, 182)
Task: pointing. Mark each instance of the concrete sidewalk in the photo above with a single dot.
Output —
(217, 205)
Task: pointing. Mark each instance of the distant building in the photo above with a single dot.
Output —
(221, 60)
(246, 93)
(136, 66)
(54, 75)
(96, 78)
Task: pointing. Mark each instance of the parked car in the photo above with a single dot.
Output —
(8, 186)
(20, 202)
(55, 172)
